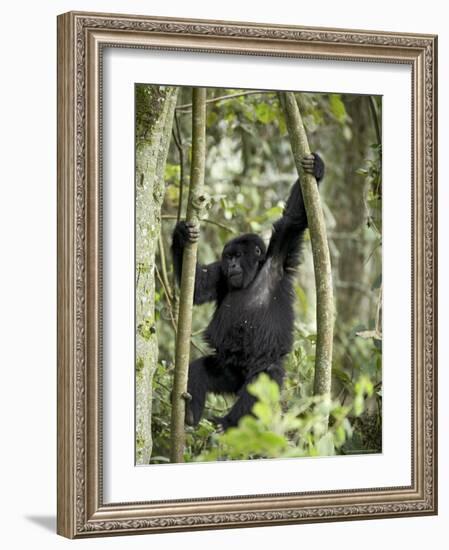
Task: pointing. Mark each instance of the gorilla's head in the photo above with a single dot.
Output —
(241, 260)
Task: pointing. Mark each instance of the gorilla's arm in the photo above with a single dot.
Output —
(285, 244)
(208, 278)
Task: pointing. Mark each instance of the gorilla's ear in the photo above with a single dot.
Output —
(258, 251)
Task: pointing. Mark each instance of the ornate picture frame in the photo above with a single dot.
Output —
(82, 38)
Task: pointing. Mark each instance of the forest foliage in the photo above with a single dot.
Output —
(249, 171)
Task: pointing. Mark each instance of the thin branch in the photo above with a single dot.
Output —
(219, 224)
(177, 134)
(170, 306)
(203, 220)
(375, 117)
(188, 106)
(181, 150)
(379, 312)
(164, 267)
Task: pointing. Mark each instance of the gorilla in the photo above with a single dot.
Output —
(252, 327)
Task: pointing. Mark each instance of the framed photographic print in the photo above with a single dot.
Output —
(246, 274)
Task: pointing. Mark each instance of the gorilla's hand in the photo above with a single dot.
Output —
(314, 165)
(189, 231)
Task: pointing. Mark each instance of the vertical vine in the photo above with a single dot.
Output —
(194, 206)
(320, 248)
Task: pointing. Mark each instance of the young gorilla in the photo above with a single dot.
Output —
(251, 330)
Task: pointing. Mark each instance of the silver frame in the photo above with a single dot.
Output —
(81, 39)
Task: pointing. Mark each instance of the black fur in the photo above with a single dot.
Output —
(252, 327)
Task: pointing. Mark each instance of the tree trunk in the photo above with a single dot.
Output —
(320, 247)
(154, 120)
(194, 206)
(352, 217)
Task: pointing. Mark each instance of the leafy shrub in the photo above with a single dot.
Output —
(315, 426)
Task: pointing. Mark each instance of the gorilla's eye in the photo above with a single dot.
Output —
(258, 251)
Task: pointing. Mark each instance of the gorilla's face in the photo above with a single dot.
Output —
(241, 260)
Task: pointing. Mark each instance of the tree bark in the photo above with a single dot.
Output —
(194, 206)
(320, 247)
(351, 214)
(154, 119)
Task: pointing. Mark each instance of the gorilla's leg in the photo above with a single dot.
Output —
(206, 375)
(245, 401)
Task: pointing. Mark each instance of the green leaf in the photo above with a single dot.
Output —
(263, 411)
(172, 171)
(302, 298)
(211, 118)
(325, 445)
(377, 282)
(273, 213)
(363, 387)
(265, 113)
(272, 442)
(265, 389)
(342, 376)
(337, 107)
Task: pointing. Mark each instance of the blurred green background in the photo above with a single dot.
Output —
(249, 172)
